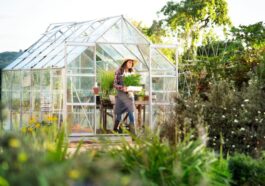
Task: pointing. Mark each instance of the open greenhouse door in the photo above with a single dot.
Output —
(80, 78)
(163, 78)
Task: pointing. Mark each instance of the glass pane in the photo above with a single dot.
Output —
(36, 100)
(81, 119)
(104, 26)
(164, 83)
(159, 61)
(83, 64)
(36, 80)
(26, 100)
(46, 101)
(57, 101)
(114, 33)
(130, 35)
(79, 89)
(45, 79)
(15, 103)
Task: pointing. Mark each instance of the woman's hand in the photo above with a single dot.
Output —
(125, 89)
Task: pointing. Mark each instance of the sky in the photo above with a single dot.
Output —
(22, 22)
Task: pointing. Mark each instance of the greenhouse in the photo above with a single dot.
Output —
(56, 75)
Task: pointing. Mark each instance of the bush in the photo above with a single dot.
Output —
(158, 163)
(247, 171)
(237, 116)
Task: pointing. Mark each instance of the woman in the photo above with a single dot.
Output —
(124, 103)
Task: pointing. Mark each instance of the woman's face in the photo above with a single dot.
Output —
(129, 64)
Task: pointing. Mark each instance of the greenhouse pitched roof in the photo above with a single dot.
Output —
(49, 51)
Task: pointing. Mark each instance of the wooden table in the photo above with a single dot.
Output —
(140, 108)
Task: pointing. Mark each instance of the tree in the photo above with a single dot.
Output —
(189, 17)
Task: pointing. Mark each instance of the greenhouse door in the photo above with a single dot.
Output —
(163, 74)
(80, 73)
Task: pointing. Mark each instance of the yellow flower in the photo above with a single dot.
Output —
(22, 157)
(14, 143)
(37, 125)
(50, 118)
(30, 129)
(24, 130)
(74, 174)
(32, 121)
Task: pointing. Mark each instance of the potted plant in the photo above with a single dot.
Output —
(139, 96)
(106, 85)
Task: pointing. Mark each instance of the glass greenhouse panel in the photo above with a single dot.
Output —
(164, 83)
(46, 101)
(114, 34)
(79, 89)
(15, 103)
(166, 97)
(26, 94)
(6, 79)
(15, 80)
(110, 51)
(36, 103)
(5, 98)
(45, 79)
(131, 35)
(83, 64)
(57, 101)
(160, 62)
(36, 80)
(102, 28)
(81, 119)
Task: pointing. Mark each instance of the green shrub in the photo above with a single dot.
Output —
(247, 171)
(158, 163)
(238, 116)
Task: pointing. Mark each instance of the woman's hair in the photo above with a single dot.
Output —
(123, 66)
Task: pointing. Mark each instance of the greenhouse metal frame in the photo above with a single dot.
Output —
(55, 76)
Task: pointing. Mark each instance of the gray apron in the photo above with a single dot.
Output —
(123, 103)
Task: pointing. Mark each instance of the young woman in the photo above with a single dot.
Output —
(124, 103)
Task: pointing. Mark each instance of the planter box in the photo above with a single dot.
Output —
(134, 88)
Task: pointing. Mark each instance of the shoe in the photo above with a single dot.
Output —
(117, 127)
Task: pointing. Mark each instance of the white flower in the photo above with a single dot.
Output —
(233, 146)
(242, 105)
(246, 100)
(223, 116)
(259, 112)
(242, 129)
(232, 132)
(248, 146)
(235, 120)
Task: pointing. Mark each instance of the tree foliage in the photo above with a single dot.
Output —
(189, 17)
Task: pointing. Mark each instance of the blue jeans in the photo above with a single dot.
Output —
(130, 115)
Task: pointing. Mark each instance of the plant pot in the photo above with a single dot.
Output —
(139, 98)
(96, 90)
(112, 99)
(146, 98)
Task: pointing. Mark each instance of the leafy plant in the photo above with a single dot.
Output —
(132, 80)
(106, 82)
(246, 170)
